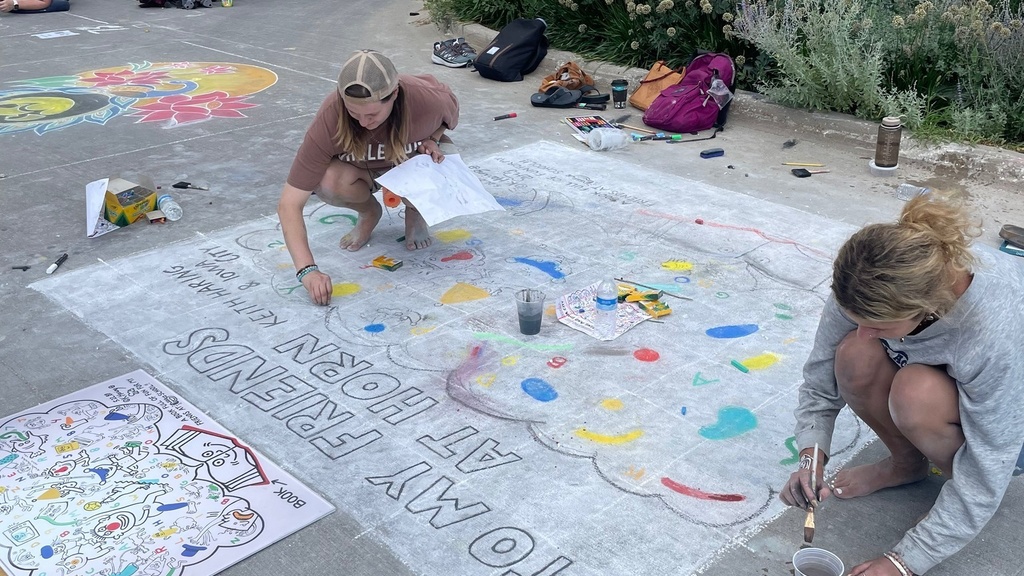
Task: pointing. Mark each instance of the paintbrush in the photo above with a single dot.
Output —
(809, 522)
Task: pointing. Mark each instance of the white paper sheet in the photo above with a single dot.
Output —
(95, 223)
(439, 191)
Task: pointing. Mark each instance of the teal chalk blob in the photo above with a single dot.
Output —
(732, 421)
(734, 331)
(539, 389)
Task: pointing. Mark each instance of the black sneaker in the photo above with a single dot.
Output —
(446, 54)
(461, 46)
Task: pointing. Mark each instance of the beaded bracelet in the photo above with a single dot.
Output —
(306, 270)
(898, 563)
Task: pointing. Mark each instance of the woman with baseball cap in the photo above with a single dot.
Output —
(375, 120)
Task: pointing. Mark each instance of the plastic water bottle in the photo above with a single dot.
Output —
(907, 191)
(607, 139)
(605, 311)
(169, 207)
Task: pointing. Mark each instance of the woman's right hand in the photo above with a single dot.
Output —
(319, 287)
(797, 491)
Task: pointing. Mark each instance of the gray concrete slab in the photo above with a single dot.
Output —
(46, 351)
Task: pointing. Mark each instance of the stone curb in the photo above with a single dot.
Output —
(1003, 164)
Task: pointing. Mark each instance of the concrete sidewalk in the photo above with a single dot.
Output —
(46, 351)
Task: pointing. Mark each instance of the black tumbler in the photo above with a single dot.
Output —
(619, 92)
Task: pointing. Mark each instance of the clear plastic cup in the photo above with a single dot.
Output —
(817, 562)
(530, 308)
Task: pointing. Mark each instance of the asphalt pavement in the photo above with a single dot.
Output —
(46, 351)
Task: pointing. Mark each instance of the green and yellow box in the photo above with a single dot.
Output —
(127, 202)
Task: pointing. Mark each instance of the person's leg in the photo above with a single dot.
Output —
(417, 233)
(351, 187)
(926, 407)
(866, 375)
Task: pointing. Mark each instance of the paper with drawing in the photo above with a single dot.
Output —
(440, 191)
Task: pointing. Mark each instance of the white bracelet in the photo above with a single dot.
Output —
(898, 563)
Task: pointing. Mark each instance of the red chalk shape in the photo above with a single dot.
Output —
(646, 355)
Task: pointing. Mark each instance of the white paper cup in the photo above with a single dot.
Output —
(817, 562)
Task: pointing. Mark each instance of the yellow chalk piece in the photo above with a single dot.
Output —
(345, 289)
(761, 361)
(509, 360)
(67, 447)
(49, 494)
(463, 292)
(608, 438)
(486, 380)
(612, 404)
(677, 265)
(449, 236)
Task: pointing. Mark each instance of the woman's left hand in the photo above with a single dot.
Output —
(432, 148)
(881, 566)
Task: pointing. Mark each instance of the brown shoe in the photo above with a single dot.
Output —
(1012, 234)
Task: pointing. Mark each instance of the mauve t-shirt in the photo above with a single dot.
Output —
(429, 104)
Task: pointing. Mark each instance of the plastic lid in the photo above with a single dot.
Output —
(891, 121)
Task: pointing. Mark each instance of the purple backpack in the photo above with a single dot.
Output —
(688, 106)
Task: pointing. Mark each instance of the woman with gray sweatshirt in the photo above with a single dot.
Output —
(920, 337)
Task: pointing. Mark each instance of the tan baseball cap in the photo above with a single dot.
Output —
(371, 70)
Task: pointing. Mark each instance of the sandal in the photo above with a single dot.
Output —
(556, 97)
(1012, 234)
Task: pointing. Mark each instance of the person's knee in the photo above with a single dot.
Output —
(858, 362)
(921, 397)
(344, 183)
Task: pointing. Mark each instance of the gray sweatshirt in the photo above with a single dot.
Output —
(979, 342)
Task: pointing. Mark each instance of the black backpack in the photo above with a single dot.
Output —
(517, 50)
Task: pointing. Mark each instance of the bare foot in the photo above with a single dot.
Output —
(863, 480)
(417, 233)
(360, 235)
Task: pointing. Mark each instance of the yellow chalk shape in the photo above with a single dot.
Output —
(677, 265)
(49, 494)
(345, 289)
(457, 235)
(634, 473)
(608, 438)
(761, 361)
(67, 447)
(90, 506)
(612, 404)
(462, 292)
(420, 330)
(284, 265)
(486, 380)
(509, 360)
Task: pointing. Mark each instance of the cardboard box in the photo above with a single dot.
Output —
(127, 202)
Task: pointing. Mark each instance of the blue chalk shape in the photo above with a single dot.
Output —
(169, 507)
(374, 328)
(115, 416)
(539, 389)
(508, 202)
(683, 410)
(733, 331)
(732, 421)
(128, 571)
(46, 551)
(101, 472)
(545, 266)
(190, 550)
